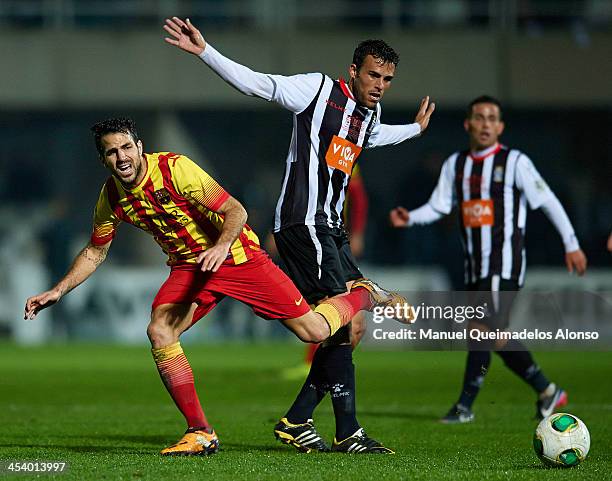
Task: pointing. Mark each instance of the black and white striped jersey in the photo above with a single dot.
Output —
(492, 189)
(328, 137)
(329, 132)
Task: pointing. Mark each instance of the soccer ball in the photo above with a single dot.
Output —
(561, 440)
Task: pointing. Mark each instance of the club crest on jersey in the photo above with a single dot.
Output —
(162, 196)
(541, 185)
(355, 127)
(498, 174)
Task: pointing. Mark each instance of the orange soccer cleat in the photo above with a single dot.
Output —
(400, 310)
(195, 442)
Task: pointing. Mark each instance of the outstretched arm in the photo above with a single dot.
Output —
(538, 194)
(575, 258)
(384, 134)
(426, 214)
(83, 266)
(294, 93)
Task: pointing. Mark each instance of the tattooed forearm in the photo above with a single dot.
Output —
(84, 265)
(94, 254)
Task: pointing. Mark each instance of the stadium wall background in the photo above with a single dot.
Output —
(73, 68)
(56, 84)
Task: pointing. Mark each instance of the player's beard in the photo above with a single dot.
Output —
(129, 177)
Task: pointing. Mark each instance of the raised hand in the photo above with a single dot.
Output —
(424, 113)
(399, 217)
(35, 304)
(184, 36)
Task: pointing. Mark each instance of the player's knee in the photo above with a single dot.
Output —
(313, 332)
(160, 334)
(318, 332)
(161, 331)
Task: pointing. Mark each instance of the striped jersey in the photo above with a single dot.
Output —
(491, 189)
(177, 204)
(328, 138)
(330, 129)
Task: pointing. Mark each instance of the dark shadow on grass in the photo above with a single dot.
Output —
(541, 467)
(400, 415)
(81, 449)
(266, 448)
(153, 440)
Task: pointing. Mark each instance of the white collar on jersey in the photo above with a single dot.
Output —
(482, 154)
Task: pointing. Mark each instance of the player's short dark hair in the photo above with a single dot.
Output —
(483, 99)
(122, 125)
(377, 49)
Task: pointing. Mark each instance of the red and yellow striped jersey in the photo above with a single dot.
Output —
(177, 204)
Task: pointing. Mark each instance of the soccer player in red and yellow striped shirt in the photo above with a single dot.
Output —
(212, 253)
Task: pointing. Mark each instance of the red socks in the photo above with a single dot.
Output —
(338, 311)
(176, 373)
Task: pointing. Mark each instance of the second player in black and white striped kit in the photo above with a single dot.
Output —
(492, 185)
(492, 188)
(333, 121)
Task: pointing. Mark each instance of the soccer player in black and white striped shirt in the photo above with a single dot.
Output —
(492, 185)
(333, 121)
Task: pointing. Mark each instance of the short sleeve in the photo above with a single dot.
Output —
(105, 221)
(192, 182)
(529, 181)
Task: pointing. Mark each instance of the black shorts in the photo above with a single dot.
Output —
(318, 260)
(498, 294)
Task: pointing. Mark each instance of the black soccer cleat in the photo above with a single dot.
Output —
(360, 443)
(545, 407)
(458, 414)
(303, 437)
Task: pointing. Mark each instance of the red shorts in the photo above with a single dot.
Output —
(259, 283)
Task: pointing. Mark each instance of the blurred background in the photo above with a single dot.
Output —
(69, 63)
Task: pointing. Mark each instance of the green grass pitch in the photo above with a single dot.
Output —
(104, 410)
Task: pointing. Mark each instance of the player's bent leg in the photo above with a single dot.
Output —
(338, 311)
(168, 322)
(329, 316)
(519, 360)
(310, 327)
